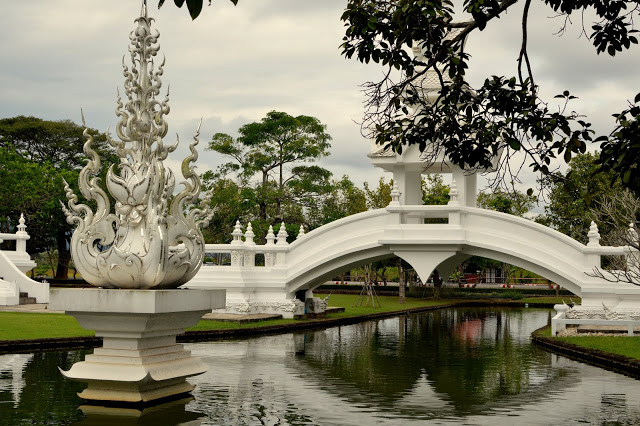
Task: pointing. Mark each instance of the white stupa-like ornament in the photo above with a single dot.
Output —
(148, 242)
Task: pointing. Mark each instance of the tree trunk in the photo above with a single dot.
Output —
(437, 284)
(263, 203)
(401, 283)
(263, 211)
(64, 255)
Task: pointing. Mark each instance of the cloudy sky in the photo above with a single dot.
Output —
(234, 64)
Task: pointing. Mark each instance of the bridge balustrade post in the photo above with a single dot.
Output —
(594, 260)
(250, 248)
(632, 255)
(21, 236)
(237, 246)
(454, 216)
(270, 256)
(398, 217)
(282, 241)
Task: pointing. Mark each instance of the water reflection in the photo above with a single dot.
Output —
(168, 413)
(459, 366)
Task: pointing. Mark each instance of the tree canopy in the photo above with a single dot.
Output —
(59, 143)
(582, 190)
(35, 155)
(505, 115)
(265, 150)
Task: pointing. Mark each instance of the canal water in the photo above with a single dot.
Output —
(455, 366)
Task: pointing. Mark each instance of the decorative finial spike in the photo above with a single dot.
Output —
(282, 235)
(271, 237)
(594, 235)
(21, 223)
(249, 235)
(395, 195)
(633, 234)
(453, 192)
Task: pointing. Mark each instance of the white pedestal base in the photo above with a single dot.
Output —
(140, 360)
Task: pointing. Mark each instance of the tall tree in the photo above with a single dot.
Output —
(344, 200)
(35, 155)
(582, 189)
(379, 197)
(59, 143)
(265, 149)
(434, 190)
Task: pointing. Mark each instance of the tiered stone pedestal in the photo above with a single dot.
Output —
(139, 361)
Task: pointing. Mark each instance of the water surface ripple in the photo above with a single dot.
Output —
(456, 366)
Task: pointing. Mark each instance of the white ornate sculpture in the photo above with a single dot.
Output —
(148, 242)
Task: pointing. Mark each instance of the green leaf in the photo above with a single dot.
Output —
(514, 144)
(179, 3)
(195, 7)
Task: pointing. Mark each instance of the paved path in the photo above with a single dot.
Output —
(40, 308)
(43, 308)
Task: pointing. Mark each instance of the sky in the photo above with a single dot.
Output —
(232, 65)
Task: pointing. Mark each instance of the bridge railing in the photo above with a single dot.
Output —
(417, 214)
(19, 255)
(243, 255)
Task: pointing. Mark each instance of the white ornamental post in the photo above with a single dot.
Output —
(269, 256)
(21, 236)
(594, 236)
(237, 257)
(300, 232)
(282, 242)
(250, 247)
(282, 235)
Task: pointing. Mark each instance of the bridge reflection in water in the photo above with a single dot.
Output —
(473, 366)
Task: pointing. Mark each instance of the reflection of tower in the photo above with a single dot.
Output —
(15, 364)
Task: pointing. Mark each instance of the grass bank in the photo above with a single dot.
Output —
(622, 344)
(32, 326)
(30, 331)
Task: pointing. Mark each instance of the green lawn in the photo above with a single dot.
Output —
(620, 345)
(28, 326)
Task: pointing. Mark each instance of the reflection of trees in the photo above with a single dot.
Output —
(472, 358)
(46, 398)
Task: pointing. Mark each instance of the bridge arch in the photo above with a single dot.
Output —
(470, 232)
(404, 231)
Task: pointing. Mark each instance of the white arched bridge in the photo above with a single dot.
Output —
(403, 231)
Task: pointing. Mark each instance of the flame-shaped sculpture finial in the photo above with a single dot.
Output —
(147, 242)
